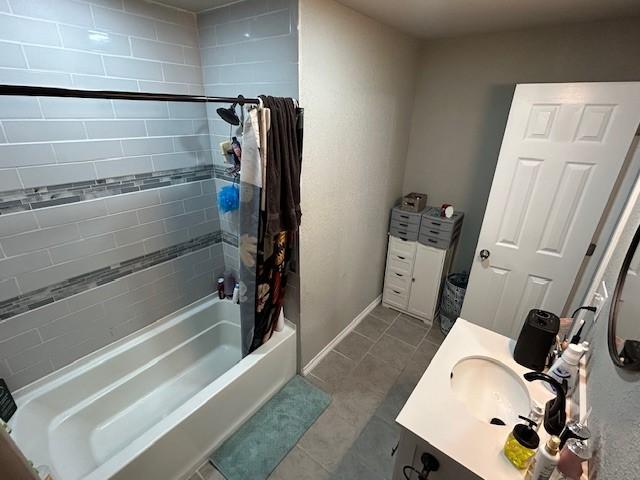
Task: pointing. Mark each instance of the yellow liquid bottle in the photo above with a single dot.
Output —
(521, 444)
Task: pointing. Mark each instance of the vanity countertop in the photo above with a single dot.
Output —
(434, 414)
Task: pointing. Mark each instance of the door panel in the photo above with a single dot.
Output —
(523, 184)
(561, 154)
(425, 288)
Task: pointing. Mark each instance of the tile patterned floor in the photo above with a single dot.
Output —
(369, 375)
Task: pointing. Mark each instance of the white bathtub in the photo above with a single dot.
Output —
(154, 404)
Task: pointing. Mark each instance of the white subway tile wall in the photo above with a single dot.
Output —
(70, 240)
(247, 48)
(40, 341)
(45, 141)
(251, 48)
(99, 45)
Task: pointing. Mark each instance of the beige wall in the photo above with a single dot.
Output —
(357, 86)
(463, 96)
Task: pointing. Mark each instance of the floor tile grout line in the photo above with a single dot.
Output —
(427, 330)
(373, 342)
(324, 467)
(360, 429)
(310, 374)
(339, 353)
(379, 318)
(414, 347)
(364, 460)
(432, 342)
(385, 332)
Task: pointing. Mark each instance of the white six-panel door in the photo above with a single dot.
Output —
(562, 151)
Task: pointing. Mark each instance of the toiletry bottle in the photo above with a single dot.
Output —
(236, 294)
(229, 284)
(574, 453)
(565, 369)
(221, 288)
(546, 460)
(537, 415)
(521, 444)
(574, 429)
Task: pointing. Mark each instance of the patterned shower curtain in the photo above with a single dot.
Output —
(264, 255)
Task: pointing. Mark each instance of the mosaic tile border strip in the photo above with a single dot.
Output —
(72, 286)
(230, 239)
(222, 171)
(40, 197)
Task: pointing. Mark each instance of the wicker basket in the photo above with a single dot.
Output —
(452, 297)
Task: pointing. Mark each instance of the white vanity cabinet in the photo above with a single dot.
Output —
(413, 277)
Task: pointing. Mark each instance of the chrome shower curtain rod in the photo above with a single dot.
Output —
(26, 90)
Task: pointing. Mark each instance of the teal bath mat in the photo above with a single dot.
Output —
(257, 448)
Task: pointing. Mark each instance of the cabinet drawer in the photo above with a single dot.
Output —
(429, 222)
(402, 248)
(407, 227)
(403, 234)
(397, 280)
(405, 217)
(395, 297)
(443, 240)
(432, 219)
(400, 264)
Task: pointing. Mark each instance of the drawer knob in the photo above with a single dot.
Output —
(401, 258)
(484, 254)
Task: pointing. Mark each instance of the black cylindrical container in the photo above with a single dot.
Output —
(536, 339)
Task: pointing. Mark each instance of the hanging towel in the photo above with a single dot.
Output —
(282, 188)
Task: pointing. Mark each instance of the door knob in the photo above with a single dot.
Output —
(484, 254)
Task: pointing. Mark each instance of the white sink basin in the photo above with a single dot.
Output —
(489, 390)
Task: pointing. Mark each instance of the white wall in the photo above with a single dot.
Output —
(464, 93)
(356, 85)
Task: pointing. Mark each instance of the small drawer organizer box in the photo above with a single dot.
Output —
(419, 256)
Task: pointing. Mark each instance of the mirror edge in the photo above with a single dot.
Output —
(613, 311)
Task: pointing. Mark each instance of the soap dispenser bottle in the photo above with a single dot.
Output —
(522, 443)
(566, 368)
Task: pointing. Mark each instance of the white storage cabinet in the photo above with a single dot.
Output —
(413, 278)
